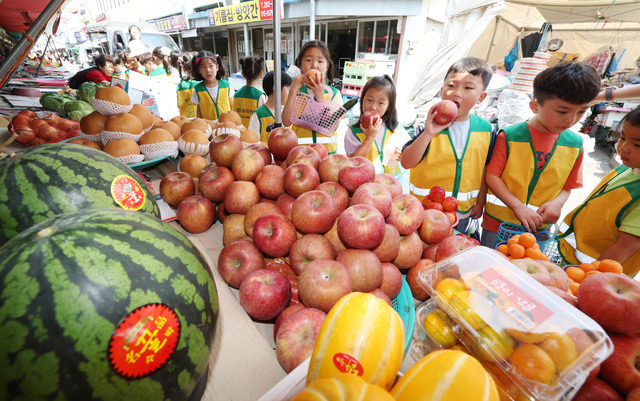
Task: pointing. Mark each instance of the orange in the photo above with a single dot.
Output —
(587, 267)
(596, 264)
(610, 266)
(573, 287)
(591, 273)
(575, 273)
(533, 253)
(514, 239)
(527, 240)
(504, 249)
(536, 246)
(516, 250)
(545, 257)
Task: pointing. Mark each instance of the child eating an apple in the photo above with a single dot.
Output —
(377, 136)
(536, 163)
(607, 224)
(452, 152)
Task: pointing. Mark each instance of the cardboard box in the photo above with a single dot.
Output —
(557, 58)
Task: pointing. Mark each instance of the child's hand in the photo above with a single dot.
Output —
(476, 210)
(430, 127)
(317, 88)
(297, 83)
(372, 131)
(529, 219)
(550, 212)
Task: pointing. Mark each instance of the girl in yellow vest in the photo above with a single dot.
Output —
(607, 224)
(248, 98)
(265, 114)
(313, 55)
(187, 86)
(381, 142)
(213, 95)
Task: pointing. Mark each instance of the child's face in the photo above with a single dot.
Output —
(557, 115)
(131, 62)
(629, 146)
(208, 68)
(465, 90)
(314, 58)
(375, 99)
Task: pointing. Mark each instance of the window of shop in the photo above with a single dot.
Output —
(287, 56)
(381, 37)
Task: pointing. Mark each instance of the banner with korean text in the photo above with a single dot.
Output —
(256, 10)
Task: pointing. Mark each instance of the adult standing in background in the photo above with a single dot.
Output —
(135, 44)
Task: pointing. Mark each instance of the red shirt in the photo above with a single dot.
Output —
(97, 76)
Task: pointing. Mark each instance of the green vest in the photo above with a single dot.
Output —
(245, 102)
(185, 91)
(209, 109)
(265, 117)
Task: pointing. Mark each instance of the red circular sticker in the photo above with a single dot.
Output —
(127, 192)
(144, 341)
(347, 364)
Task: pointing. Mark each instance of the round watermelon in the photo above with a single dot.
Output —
(47, 180)
(104, 304)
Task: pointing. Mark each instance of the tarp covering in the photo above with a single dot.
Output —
(18, 15)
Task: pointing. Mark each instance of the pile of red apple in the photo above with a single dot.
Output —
(438, 199)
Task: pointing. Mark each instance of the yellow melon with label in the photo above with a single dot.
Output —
(361, 335)
(446, 375)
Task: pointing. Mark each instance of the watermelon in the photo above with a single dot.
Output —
(46, 180)
(104, 304)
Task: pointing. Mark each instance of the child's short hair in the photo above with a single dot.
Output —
(474, 66)
(576, 83)
(251, 67)
(383, 83)
(146, 58)
(195, 62)
(120, 56)
(325, 51)
(633, 118)
(268, 82)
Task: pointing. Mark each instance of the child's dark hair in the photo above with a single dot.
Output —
(174, 59)
(160, 57)
(120, 56)
(186, 73)
(268, 82)
(251, 67)
(145, 58)
(474, 66)
(325, 51)
(633, 118)
(382, 83)
(576, 83)
(195, 61)
(102, 59)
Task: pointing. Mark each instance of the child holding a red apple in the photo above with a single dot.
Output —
(315, 63)
(607, 224)
(536, 163)
(452, 152)
(378, 129)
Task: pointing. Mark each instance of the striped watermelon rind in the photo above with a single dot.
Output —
(66, 284)
(47, 180)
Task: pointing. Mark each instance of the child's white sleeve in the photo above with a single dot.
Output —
(194, 97)
(351, 143)
(254, 123)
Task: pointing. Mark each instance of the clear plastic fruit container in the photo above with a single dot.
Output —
(536, 345)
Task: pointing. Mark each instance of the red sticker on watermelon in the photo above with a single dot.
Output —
(347, 364)
(127, 192)
(144, 341)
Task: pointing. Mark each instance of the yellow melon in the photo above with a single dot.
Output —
(345, 386)
(361, 335)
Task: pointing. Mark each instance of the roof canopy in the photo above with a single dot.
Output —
(18, 15)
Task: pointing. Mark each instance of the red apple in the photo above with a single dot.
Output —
(274, 234)
(233, 228)
(196, 214)
(264, 294)
(237, 259)
(264, 152)
(330, 167)
(410, 251)
(176, 186)
(355, 172)
(361, 226)
(334, 238)
(446, 111)
(297, 337)
(364, 268)
(220, 213)
(313, 212)
(224, 148)
(450, 204)
(430, 252)
(369, 119)
(285, 203)
(417, 290)
(323, 283)
(280, 142)
(255, 211)
(622, 369)
(390, 182)
(391, 279)
(452, 217)
(300, 178)
(247, 164)
(435, 226)
(321, 149)
(537, 272)
(406, 213)
(611, 300)
(437, 194)
(308, 248)
(313, 76)
(270, 181)
(240, 196)
(452, 245)
(597, 390)
(303, 154)
(382, 295)
(634, 395)
(389, 247)
(559, 277)
(288, 311)
(374, 195)
(563, 294)
(435, 205)
(338, 194)
(281, 266)
(213, 184)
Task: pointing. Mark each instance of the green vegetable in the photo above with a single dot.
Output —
(87, 90)
(76, 115)
(54, 103)
(350, 103)
(77, 105)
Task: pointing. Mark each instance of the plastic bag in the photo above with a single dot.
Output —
(600, 60)
(513, 108)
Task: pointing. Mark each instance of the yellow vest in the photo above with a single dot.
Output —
(594, 226)
(185, 91)
(209, 109)
(307, 137)
(375, 154)
(245, 102)
(460, 178)
(532, 186)
(265, 117)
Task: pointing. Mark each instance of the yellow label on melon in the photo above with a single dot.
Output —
(361, 335)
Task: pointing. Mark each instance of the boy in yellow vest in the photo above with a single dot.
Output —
(607, 224)
(454, 156)
(536, 163)
(264, 115)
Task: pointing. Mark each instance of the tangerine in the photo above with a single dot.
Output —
(504, 249)
(587, 267)
(513, 240)
(610, 266)
(527, 240)
(517, 251)
(591, 273)
(533, 253)
(573, 288)
(575, 273)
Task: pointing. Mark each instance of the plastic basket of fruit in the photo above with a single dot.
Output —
(403, 304)
(550, 250)
(546, 238)
(322, 118)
